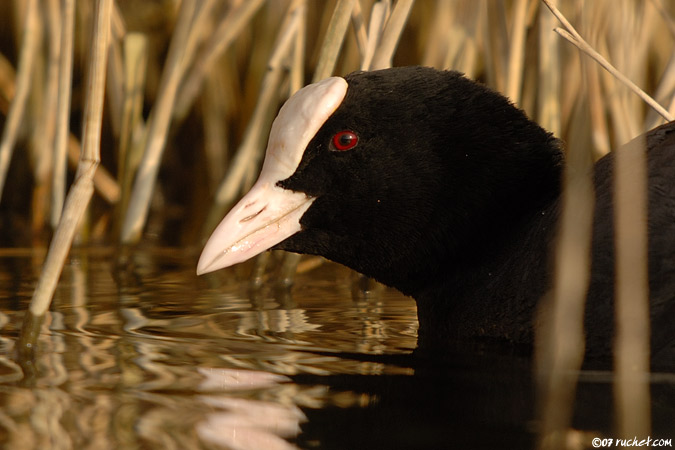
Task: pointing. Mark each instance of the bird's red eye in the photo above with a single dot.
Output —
(345, 140)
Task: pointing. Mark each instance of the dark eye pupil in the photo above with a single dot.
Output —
(345, 140)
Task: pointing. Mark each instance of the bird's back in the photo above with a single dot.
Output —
(660, 144)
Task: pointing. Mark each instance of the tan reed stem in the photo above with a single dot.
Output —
(62, 126)
(333, 41)
(235, 21)
(391, 35)
(82, 189)
(571, 34)
(180, 50)
(30, 39)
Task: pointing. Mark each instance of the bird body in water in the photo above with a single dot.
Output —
(440, 187)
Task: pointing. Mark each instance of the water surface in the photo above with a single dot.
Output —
(140, 353)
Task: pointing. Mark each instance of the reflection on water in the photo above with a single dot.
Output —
(152, 356)
(147, 355)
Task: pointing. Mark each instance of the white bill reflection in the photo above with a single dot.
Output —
(242, 423)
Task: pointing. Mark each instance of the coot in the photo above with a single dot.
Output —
(440, 187)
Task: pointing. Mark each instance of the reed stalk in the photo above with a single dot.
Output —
(226, 32)
(570, 34)
(216, 136)
(665, 94)
(64, 97)
(660, 6)
(130, 150)
(495, 39)
(359, 26)
(516, 59)
(560, 334)
(45, 131)
(561, 351)
(332, 42)
(297, 69)
(83, 188)
(30, 40)
(378, 19)
(180, 50)
(631, 344)
(104, 183)
(391, 35)
(549, 113)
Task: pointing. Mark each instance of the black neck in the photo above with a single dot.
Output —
(463, 304)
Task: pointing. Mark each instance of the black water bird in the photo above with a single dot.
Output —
(440, 187)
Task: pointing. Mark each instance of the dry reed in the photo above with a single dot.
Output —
(82, 189)
(65, 77)
(185, 37)
(31, 37)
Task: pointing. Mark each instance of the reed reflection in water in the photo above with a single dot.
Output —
(149, 356)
